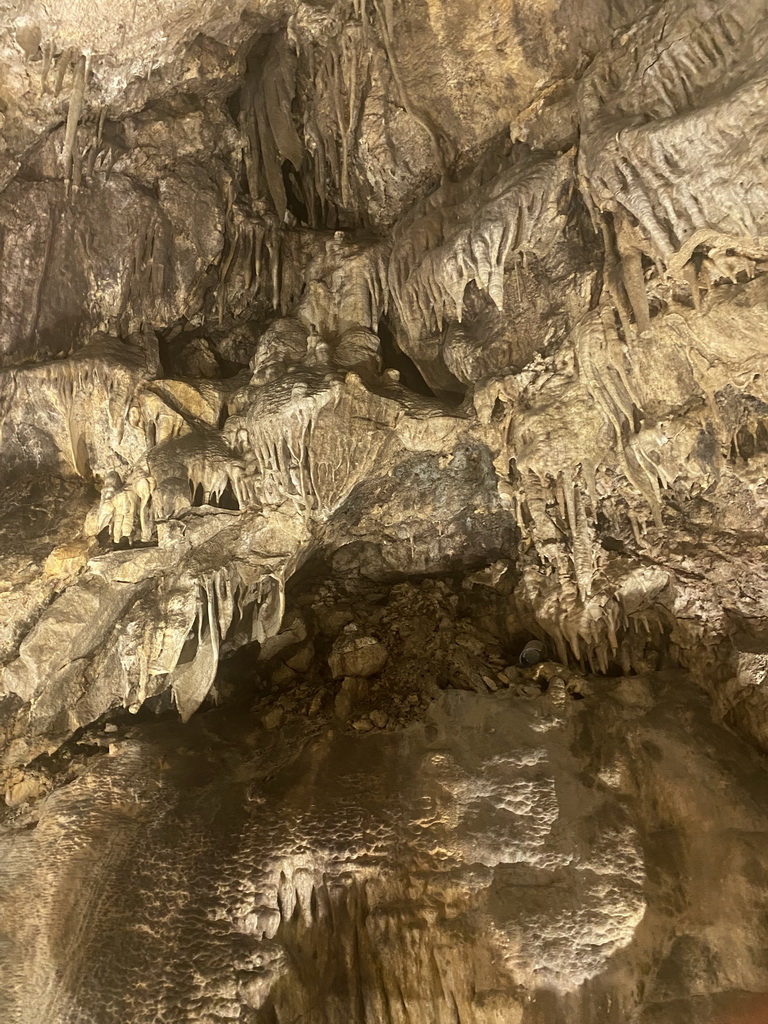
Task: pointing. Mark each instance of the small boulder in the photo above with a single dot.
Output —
(350, 691)
(273, 719)
(317, 703)
(294, 631)
(67, 560)
(332, 618)
(22, 788)
(301, 661)
(283, 675)
(198, 359)
(356, 655)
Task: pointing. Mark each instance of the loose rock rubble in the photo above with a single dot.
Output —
(376, 659)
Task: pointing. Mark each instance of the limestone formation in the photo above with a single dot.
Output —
(346, 349)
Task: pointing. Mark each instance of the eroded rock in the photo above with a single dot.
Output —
(344, 350)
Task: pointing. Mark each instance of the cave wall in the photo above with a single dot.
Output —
(344, 348)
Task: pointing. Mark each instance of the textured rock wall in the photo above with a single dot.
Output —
(344, 349)
(519, 855)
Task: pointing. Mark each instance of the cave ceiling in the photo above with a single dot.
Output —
(347, 348)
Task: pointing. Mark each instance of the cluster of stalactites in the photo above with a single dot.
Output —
(678, 215)
(317, 152)
(181, 641)
(195, 467)
(276, 438)
(328, 279)
(465, 234)
(357, 44)
(588, 448)
(337, 84)
(579, 446)
(82, 401)
(256, 262)
(279, 437)
(554, 489)
(84, 147)
(309, 439)
(626, 625)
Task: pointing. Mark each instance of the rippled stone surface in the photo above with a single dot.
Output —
(479, 866)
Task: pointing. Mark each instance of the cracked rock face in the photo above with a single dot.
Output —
(345, 350)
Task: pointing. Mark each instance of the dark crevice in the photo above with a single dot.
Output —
(294, 194)
(395, 359)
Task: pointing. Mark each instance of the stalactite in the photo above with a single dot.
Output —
(463, 234)
(47, 51)
(630, 255)
(581, 537)
(70, 154)
(61, 69)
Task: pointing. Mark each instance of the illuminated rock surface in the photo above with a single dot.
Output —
(344, 349)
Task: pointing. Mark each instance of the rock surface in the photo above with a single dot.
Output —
(345, 348)
(505, 858)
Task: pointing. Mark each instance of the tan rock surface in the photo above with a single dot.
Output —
(346, 348)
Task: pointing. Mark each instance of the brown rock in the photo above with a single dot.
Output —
(301, 661)
(331, 619)
(22, 788)
(294, 630)
(68, 559)
(283, 675)
(317, 703)
(355, 655)
(273, 719)
(351, 690)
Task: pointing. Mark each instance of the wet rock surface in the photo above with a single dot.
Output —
(520, 858)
